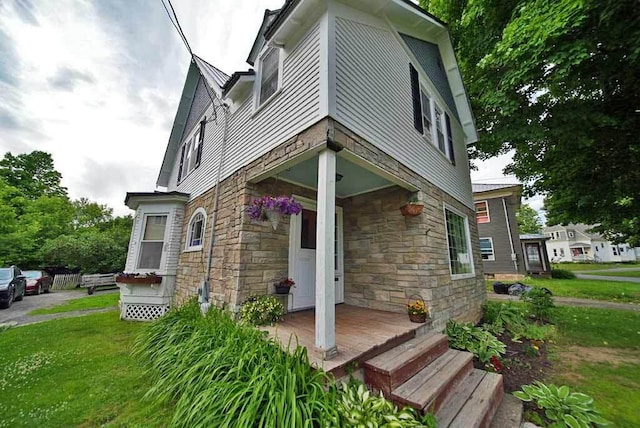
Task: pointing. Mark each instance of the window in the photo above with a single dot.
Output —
(482, 212)
(191, 153)
(486, 249)
(615, 251)
(555, 252)
(152, 242)
(561, 252)
(195, 231)
(269, 74)
(426, 115)
(570, 234)
(460, 261)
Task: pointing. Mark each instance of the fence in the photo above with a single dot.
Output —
(98, 280)
(66, 282)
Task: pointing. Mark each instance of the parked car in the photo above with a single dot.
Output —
(13, 285)
(37, 281)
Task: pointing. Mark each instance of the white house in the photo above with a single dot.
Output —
(574, 242)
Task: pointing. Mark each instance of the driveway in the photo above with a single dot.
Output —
(17, 313)
(602, 275)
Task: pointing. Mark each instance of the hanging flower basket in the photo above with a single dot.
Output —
(284, 286)
(272, 208)
(417, 309)
(412, 209)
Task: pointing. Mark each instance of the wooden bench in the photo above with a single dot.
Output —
(105, 281)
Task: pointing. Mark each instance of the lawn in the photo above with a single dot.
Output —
(87, 302)
(597, 353)
(613, 291)
(592, 266)
(628, 274)
(74, 372)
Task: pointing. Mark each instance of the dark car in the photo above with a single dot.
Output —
(13, 285)
(37, 282)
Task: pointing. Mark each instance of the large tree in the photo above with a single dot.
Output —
(528, 220)
(558, 81)
(33, 174)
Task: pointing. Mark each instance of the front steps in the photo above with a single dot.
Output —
(425, 374)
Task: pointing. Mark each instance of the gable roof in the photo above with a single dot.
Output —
(214, 76)
(268, 18)
(482, 187)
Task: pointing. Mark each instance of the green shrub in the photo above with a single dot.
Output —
(538, 302)
(562, 274)
(561, 406)
(261, 310)
(467, 337)
(497, 317)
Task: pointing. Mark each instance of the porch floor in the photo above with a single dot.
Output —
(361, 333)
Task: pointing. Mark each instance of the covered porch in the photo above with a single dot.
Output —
(361, 333)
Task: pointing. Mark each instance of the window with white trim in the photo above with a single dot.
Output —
(486, 249)
(460, 258)
(195, 230)
(269, 75)
(191, 152)
(482, 212)
(152, 242)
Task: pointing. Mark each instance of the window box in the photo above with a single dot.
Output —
(148, 279)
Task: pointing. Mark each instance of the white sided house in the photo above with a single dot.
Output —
(575, 243)
(353, 107)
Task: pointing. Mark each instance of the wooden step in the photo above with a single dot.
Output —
(390, 369)
(430, 387)
(479, 409)
(459, 397)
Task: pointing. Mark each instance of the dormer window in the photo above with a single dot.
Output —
(269, 74)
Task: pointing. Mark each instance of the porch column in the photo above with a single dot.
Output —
(325, 250)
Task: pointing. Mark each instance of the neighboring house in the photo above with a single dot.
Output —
(505, 253)
(353, 107)
(574, 243)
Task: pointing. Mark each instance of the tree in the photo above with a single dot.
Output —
(33, 174)
(559, 83)
(89, 213)
(528, 220)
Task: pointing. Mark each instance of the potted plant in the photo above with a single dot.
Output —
(138, 278)
(271, 208)
(417, 310)
(412, 208)
(284, 285)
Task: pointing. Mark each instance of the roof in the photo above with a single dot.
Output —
(133, 199)
(580, 245)
(480, 187)
(533, 237)
(258, 43)
(212, 74)
(581, 228)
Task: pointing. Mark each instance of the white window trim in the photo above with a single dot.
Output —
(257, 105)
(486, 203)
(433, 138)
(142, 240)
(493, 250)
(471, 274)
(192, 144)
(187, 247)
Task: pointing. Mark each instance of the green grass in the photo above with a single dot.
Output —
(613, 291)
(592, 266)
(627, 274)
(87, 302)
(74, 372)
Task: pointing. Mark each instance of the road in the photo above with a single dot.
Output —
(17, 313)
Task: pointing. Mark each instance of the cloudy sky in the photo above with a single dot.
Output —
(96, 83)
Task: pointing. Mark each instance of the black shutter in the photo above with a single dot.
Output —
(203, 124)
(452, 156)
(415, 95)
(184, 146)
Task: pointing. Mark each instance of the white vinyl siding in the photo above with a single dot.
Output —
(251, 135)
(373, 99)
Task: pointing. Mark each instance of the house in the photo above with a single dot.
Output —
(505, 253)
(576, 243)
(352, 107)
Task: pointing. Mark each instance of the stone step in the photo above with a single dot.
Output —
(430, 387)
(479, 409)
(390, 369)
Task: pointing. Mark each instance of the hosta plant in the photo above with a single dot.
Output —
(563, 407)
(479, 342)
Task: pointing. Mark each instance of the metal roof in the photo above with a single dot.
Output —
(533, 236)
(480, 187)
(211, 73)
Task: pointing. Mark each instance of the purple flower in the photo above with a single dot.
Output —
(284, 205)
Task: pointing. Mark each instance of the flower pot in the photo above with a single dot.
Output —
(282, 289)
(139, 279)
(411, 210)
(419, 318)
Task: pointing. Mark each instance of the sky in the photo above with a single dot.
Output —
(96, 83)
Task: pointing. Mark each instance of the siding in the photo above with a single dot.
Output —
(250, 136)
(497, 229)
(373, 99)
(200, 102)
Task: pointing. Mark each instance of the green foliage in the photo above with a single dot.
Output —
(553, 80)
(358, 407)
(562, 274)
(561, 406)
(497, 317)
(538, 302)
(467, 337)
(528, 220)
(33, 174)
(261, 310)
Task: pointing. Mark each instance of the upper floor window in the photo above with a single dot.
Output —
(460, 259)
(191, 152)
(195, 231)
(269, 74)
(482, 212)
(570, 234)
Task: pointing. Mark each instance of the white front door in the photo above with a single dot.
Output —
(302, 256)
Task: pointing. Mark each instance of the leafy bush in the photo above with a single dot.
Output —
(539, 303)
(498, 317)
(261, 310)
(561, 406)
(562, 274)
(358, 407)
(467, 337)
